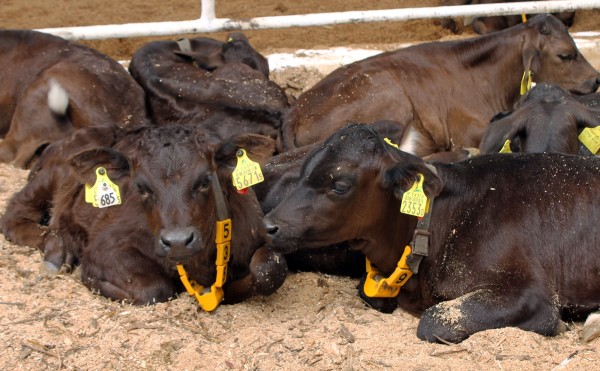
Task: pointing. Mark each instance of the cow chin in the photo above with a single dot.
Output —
(292, 243)
(588, 87)
(285, 244)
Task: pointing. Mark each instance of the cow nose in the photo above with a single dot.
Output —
(179, 242)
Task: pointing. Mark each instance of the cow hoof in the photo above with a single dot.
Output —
(562, 327)
(591, 328)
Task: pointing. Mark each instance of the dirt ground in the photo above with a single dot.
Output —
(314, 321)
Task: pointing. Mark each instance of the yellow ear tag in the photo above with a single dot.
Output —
(590, 137)
(388, 141)
(414, 201)
(104, 192)
(247, 172)
(526, 82)
(506, 147)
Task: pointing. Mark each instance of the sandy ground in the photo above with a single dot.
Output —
(314, 321)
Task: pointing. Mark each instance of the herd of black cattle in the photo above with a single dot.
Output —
(149, 178)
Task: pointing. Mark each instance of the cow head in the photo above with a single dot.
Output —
(171, 176)
(210, 55)
(546, 119)
(551, 54)
(349, 190)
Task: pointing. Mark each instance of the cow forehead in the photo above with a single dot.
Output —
(350, 148)
(172, 152)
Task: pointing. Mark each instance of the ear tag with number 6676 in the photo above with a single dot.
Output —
(414, 201)
(246, 173)
(104, 192)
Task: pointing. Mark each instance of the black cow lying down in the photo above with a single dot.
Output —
(509, 239)
(546, 119)
(222, 86)
(174, 185)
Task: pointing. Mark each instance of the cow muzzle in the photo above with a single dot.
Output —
(178, 244)
(277, 237)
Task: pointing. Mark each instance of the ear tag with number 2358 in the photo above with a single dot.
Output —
(246, 173)
(104, 192)
(414, 201)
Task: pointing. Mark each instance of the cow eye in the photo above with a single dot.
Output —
(340, 187)
(203, 183)
(144, 190)
(566, 57)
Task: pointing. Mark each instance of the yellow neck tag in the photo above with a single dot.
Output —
(209, 299)
(414, 201)
(524, 18)
(526, 82)
(104, 192)
(506, 147)
(376, 286)
(247, 172)
(388, 141)
(590, 137)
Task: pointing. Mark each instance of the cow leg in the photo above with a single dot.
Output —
(33, 125)
(455, 320)
(126, 274)
(268, 270)
(56, 255)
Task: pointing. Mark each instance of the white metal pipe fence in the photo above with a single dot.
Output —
(209, 23)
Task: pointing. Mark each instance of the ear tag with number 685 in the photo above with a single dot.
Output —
(104, 192)
(246, 173)
(414, 201)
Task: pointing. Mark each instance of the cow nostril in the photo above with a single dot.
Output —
(190, 239)
(165, 243)
(271, 229)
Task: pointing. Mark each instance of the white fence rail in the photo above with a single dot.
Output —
(209, 23)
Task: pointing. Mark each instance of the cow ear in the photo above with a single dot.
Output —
(401, 176)
(585, 118)
(531, 59)
(532, 45)
(499, 132)
(259, 148)
(84, 164)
